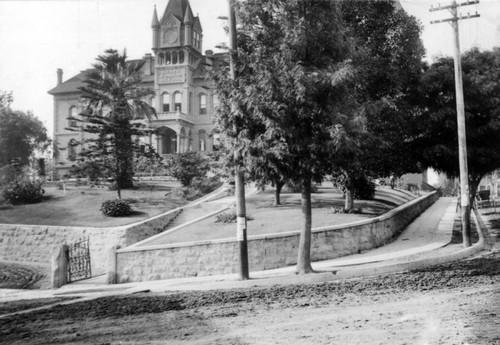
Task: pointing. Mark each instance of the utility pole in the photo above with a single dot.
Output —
(241, 219)
(462, 143)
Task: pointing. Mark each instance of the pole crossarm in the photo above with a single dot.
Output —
(469, 16)
(440, 8)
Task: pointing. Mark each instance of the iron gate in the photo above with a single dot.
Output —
(79, 261)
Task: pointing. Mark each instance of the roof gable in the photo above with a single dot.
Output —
(176, 8)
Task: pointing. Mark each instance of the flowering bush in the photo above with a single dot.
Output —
(24, 192)
(116, 208)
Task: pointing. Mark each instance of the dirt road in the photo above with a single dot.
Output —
(456, 303)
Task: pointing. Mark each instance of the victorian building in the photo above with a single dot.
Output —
(177, 71)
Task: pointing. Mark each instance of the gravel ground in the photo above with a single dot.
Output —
(455, 303)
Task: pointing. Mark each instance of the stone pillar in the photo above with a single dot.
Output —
(59, 267)
(179, 143)
(111, 277)
(157, 139)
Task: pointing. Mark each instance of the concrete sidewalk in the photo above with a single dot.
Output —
(424, 242)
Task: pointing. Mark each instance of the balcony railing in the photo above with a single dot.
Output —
(175, 115)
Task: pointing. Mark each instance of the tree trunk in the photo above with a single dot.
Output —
(125, 157)
(473, 184)
(277, 192)
(304, 257)
(349, 196)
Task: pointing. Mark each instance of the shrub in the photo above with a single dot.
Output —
(228, 217)
(8, 174)
(206, 185)
(116, 208)
(186, 166)
(364, 188)
(24, 192)
(91, 170)
(199, 187)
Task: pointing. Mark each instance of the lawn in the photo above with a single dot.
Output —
(79, 205)
(269, 219)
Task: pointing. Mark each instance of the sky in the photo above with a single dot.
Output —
(39, 36)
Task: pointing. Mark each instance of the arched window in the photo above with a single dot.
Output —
(168, 59)
(203, 141)
(178, 101)
(73, 112)
(168, 144)
(190, 141)
(203, 104)
(181, 57)
(190, 103)
(215, 101)
(174, 58)
(165, 99)
(72, 149)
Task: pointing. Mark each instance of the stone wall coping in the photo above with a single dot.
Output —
(153, 238)
(385, 216)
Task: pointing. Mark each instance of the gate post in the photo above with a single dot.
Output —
(111, 277)
(59, 267)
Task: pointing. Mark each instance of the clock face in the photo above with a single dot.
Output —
(170, 35)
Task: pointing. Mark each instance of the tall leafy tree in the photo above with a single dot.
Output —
(388, 56)
(438, 122)
(20, 133)
(5, 99)
(292, 67)
(114, 108)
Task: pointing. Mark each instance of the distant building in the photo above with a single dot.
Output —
(177, 72)
(491, 182)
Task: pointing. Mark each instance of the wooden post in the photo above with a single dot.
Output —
(462, 142)
(241, 224)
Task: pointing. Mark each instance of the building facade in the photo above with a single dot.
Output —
(177, 71)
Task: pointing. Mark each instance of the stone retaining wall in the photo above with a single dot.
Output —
(265, 252)
(37, 243)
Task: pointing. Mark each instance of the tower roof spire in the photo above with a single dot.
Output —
(155, 23)
(177, 8)
(188, 16)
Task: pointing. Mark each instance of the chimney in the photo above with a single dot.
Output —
(148, 66)
(59, 76)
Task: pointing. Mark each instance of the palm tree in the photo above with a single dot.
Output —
(114, 106)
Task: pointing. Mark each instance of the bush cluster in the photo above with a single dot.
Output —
(187, 166)
(199, 187)
(364, 188)
(8, 174)
(228, 217)
(116, 208)
(24, 192)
